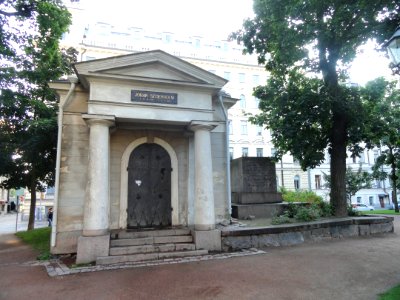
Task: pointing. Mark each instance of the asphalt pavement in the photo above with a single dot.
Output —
(12, 222)
(352, 268)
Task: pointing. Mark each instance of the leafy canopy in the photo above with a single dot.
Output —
(29, 59)
(300, 39)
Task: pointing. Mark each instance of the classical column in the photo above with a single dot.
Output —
(204, 188)
(97, 205)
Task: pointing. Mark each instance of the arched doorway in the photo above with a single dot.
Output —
(149, 187)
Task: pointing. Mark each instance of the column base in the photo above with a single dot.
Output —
(207, 240)
(91, 247)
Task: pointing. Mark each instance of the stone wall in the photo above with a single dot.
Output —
(294, 234)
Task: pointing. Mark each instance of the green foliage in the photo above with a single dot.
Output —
(355, 181)
(381, 212)
(304, 212)
(351, 212)
(383, 129)
(392, 294)
(296, 40)
(308, 214)
(39, 239)
(300, 196)
(29, 59)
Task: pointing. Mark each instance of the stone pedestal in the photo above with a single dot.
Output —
(254, 188)
(207, 240)
(89, 248)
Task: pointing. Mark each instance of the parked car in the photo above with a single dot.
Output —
(362, 207)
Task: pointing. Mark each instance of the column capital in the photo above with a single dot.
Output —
(99, 119)
(202, 125)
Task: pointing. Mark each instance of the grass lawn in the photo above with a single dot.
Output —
(39, 239)
(392, 294)
(381, 212)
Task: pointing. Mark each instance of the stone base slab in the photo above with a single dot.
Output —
(256, 198)
(207, 240)
(91, 247)
(242, 211)
(293, 234)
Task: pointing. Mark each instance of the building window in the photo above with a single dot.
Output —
(296, 161)
(378, 184)
(245, 151)
(297, 182)
(242, 78)
(371, 200)
(243, 127)
(230, 127)
(197, 43)
(242, 101)
(259, 130)
(231, 153)
(256, 79)
(362, 158)
(358, 199)
(273, 152)
(256, 102)
(376, 154)
(317, 182)
(259, 152)
(227, 75)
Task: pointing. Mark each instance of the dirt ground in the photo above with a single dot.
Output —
(357, 268)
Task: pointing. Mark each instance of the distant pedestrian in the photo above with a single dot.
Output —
(50, 216)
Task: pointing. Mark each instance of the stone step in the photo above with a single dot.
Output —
(151, 240)
(149, 233)
(132, 242)
(151, 248)
(105, 260)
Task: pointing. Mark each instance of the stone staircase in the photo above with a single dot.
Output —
(136, 246)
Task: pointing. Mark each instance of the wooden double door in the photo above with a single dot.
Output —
(149, 187)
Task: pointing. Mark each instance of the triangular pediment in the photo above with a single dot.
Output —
(151, 66)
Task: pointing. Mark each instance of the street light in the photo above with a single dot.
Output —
(393, 47)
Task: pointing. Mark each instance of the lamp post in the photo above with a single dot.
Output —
(393, 48)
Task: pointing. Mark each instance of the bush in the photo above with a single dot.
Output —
(351, 212)
(300, 196)
(307, 214)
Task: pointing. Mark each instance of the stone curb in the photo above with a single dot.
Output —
(56, 268)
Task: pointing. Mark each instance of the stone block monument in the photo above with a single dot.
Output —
(254, 188)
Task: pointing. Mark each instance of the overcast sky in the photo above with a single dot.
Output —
(214, 18)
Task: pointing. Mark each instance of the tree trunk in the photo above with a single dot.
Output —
(31, 223)
(338, 167)
(393, 177)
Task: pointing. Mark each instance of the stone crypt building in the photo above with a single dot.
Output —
(142, 144)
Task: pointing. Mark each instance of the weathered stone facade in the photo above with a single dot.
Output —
(101, 126)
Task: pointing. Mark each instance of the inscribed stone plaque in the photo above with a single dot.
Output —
(154, 97)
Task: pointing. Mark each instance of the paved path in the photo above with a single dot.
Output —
(357, 268)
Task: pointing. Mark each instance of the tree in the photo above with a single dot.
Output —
(355, 181)
(30, 57)
(384, 129)
(298, 38)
